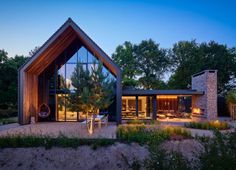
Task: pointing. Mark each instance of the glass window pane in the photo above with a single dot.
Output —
(61, 78)
(71, 114)
(60, 107)
(92, 58)
(106, 71)
(92, 66)
(82, 55)
(70, 68)
(73, 59)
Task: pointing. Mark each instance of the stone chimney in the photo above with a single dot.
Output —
(205, 106)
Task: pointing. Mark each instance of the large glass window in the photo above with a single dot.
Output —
(66, 89)
(130, 103)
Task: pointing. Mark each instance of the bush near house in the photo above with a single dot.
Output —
(220, 152)
(142, 122)
(48, 142)
(8, 116)
(147, 135)
(9, 120)
(209, 125)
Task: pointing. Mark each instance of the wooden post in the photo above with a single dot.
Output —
(136, 105)
(118, 99)
(154, 106)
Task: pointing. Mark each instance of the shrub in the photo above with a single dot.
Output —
(6, 113)
(160, 159)
(209, 125)
(8, 120)
(135, 121)
(143, 122)
(231, 96)
(146, 135)
(48, 142)
(220, 152)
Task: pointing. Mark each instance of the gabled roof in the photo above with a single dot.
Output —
(58, 42)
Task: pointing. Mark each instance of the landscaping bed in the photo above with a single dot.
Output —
(4, 121)
(208, 125)
(137, 146)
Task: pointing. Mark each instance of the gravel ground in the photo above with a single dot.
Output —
(54, 129)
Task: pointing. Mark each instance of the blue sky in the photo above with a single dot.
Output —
(27, 23)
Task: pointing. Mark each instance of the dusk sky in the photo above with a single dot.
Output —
(27, 23)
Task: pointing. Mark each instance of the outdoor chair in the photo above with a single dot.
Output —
(101, 119)
(44, 110)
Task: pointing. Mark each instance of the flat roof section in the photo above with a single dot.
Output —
(139, 92)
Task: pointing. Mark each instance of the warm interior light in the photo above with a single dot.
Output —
(167, 97)
(197, 110)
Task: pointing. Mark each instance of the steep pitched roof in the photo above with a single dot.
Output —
(59, 41)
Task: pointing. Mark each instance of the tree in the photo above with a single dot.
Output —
(94, 90)
(35, 50)
(80, 79)
(3, 56)
(231, 96)
(8, 79)
(220, 57)
(152, 63)
(124, 57)
(186, 60)
(189, 57)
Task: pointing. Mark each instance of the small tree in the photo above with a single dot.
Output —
(102, 90)
(94, 90)
(80, 79)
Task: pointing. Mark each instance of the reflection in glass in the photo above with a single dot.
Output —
(129, 107)
(67, 88)
(73, 59)
(82, 55)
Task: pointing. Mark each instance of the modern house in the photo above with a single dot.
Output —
(43, 78)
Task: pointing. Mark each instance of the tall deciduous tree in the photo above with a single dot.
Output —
(152, 63)
(8, 79)
(189, 57)
(124, 57)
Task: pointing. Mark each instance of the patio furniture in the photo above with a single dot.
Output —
(186, 115)
(170, 115)
(161, 116)
(101, 119)
(44, 110)
(128, 114)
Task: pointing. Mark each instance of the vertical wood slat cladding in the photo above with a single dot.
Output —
(52, 52)
(31, 91)
(30, 100)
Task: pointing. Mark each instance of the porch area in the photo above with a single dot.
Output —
(162, 105)
(57, 129)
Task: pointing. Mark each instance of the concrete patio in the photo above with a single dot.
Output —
(54, 129)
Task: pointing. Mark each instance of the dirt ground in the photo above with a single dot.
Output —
(117, 156)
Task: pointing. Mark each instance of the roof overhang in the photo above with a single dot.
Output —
(138, 92)
(58, 42)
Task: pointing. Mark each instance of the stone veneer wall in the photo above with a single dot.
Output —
(206, 81)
